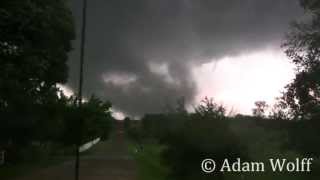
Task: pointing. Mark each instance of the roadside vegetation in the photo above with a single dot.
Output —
(37, 121)
(173, 151)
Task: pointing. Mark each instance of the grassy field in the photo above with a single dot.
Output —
(149, 161)
(150, 166)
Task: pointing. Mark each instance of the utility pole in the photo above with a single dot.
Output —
(82, 51)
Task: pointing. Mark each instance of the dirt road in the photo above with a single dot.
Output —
(107, 161)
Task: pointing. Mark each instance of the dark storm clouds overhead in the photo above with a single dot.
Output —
(126, 36)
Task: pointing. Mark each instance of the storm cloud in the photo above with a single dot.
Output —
(140, 53)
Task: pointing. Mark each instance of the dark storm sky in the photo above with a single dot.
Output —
(126, 37)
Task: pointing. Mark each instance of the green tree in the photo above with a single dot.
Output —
(260, 108)
(302, 97)
(91, 121)
(35, 38)
(97, 116)
(210, 109)
(204, 134)
(302, 46)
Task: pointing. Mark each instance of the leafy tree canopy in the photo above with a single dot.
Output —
(35, 38)
(302, 46)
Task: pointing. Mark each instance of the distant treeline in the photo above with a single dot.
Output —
(189, 138)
